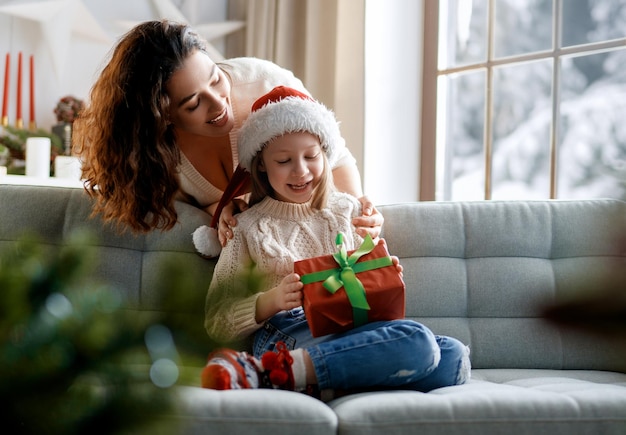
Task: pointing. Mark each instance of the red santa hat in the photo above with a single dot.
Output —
(286, 110)
(281, 111)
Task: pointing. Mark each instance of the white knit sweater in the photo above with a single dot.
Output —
(271, 235)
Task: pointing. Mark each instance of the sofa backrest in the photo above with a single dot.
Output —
(134, 264)
(485, 272)
(479, 271)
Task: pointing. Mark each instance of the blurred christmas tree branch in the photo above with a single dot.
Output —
(72, 360)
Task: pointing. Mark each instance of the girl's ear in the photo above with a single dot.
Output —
(261, 165)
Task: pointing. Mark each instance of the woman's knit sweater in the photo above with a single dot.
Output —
(267, 240)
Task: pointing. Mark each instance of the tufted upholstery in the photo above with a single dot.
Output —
(131, 263)
(480, 271)
(483, 272)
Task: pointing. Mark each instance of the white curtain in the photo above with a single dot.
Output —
(321, 41)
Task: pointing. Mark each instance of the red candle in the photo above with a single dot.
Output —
(32, 93)
(5, 99)
(18, 120)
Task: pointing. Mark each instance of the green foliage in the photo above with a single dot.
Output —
(15, 138)
(72, 360)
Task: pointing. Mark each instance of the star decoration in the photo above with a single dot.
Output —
(210, 31)
(59, 19)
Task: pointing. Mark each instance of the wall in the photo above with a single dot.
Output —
(391, 98)
(393, 53)
(68, 58)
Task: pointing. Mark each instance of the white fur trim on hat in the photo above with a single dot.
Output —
(289, 115)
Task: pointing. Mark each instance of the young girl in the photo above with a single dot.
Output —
(287, 145)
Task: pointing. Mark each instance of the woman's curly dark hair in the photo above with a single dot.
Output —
(127, 147)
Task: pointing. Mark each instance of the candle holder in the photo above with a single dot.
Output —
(67, 110)
(64, 131)
(14, 140)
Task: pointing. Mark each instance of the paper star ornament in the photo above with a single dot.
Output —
(59, 19)
(210, 31)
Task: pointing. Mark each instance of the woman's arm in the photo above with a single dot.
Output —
(347, 179)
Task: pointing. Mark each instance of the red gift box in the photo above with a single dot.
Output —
(347, 289)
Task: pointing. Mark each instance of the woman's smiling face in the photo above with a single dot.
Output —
(199, 95)
(294, 164)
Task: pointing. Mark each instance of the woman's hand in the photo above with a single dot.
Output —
(371, 221)
(228, 221)
(286, 296)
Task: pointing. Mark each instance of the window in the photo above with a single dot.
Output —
(524, 99)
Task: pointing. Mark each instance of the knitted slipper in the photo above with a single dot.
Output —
(228, 369)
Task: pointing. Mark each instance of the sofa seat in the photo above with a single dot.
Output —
(495, 401)
(202, 411)
(520, 401)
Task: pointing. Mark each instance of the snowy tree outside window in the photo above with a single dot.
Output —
(531, 99)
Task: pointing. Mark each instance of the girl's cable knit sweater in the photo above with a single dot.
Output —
(267, 240)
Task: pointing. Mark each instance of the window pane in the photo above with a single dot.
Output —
(462, 32)
(586, 21)
(460, 157)
(592, 152)
(522, 26)
(522, 116)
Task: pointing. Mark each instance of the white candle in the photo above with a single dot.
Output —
(67, 167)
(3, 171)
(38, 157)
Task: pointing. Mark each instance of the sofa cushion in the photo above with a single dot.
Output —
(259, 412)
(495, 401)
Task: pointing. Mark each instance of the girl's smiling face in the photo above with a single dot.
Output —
(294, 164)
(199, 95)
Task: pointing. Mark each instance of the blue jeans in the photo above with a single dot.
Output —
(401, 354)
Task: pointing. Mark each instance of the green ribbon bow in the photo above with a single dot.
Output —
(345, 276)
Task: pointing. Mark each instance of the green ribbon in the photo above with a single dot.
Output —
(345, 276)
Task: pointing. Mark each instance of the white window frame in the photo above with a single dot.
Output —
(431, 74)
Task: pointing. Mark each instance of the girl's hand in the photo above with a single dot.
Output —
(286, 296)
(371, 221)
(289, 292)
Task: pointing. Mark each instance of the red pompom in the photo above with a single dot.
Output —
(215, 377)
(270, 361)
(278, 377)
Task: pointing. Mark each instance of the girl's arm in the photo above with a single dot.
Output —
(230, 308)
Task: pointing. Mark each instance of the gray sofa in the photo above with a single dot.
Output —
(483, 272)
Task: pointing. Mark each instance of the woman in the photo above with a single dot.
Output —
(162, 124)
